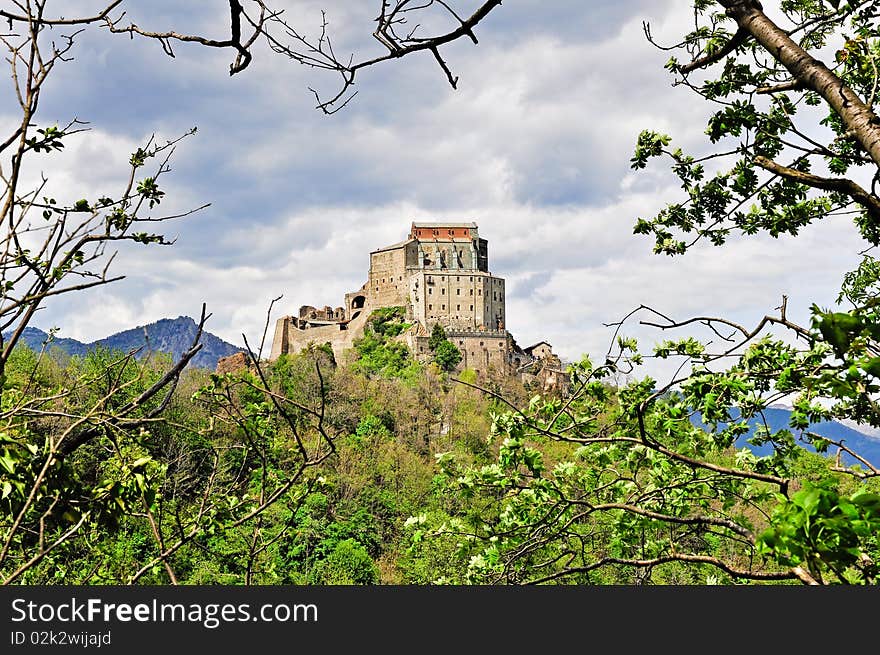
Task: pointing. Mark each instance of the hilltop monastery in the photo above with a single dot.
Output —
(439, 274)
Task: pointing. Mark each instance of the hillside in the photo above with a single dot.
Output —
(171, 335)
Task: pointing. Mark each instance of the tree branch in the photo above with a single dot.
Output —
(738, 39)
(793, 85)
(838, 184)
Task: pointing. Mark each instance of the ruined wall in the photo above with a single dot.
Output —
(290, 339)
(327, 313)
(547, 378)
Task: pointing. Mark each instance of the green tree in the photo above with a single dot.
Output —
(655, 487)
(51, 429)
(446, 354)
(438, 336)
(347, 564)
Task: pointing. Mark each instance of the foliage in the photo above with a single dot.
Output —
(378, 351)
(438, 336)
(655, 485)
(832, 536)
(348, 563)
(446, 354)
(389, 321)
(110, 473)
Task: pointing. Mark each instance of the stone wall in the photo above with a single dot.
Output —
(486, 352)
(462, 300)
(388, 284)
(309, 313)
(290, 339)
(540, 350)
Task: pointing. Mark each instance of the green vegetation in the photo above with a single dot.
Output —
(225, 451)
(446, 355)
(300, 471)
(378, 351)
(426, 483)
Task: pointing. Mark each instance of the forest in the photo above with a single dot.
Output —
(117, 469)
(387, 471)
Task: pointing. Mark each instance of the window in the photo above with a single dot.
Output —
(494, 296)
(458, 292)
(430, 291)
(443, 291)
(472, 292)
(458, 308)
(479, 292)
(442, 306)
(472, 308)
(481, 343)
(430, 306)
(458, 279)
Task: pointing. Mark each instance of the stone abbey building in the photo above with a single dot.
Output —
(439, 274)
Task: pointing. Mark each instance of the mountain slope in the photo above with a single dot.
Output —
(777, 419)
(170, 335)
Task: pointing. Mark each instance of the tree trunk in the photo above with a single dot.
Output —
(859, 119)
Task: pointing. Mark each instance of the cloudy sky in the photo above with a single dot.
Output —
(534, 146)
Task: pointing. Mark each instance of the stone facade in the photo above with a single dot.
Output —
(461, 300)
(439, 274)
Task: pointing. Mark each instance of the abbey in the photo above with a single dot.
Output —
(439, 274)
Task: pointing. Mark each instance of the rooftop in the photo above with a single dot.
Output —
(436, 224)
(394, 246)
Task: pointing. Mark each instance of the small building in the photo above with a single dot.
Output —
(540, 350)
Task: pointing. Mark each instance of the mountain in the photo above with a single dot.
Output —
(174, 335)
(860, 441)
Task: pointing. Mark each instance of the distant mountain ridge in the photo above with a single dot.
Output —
(169, 335)
(860, 440)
